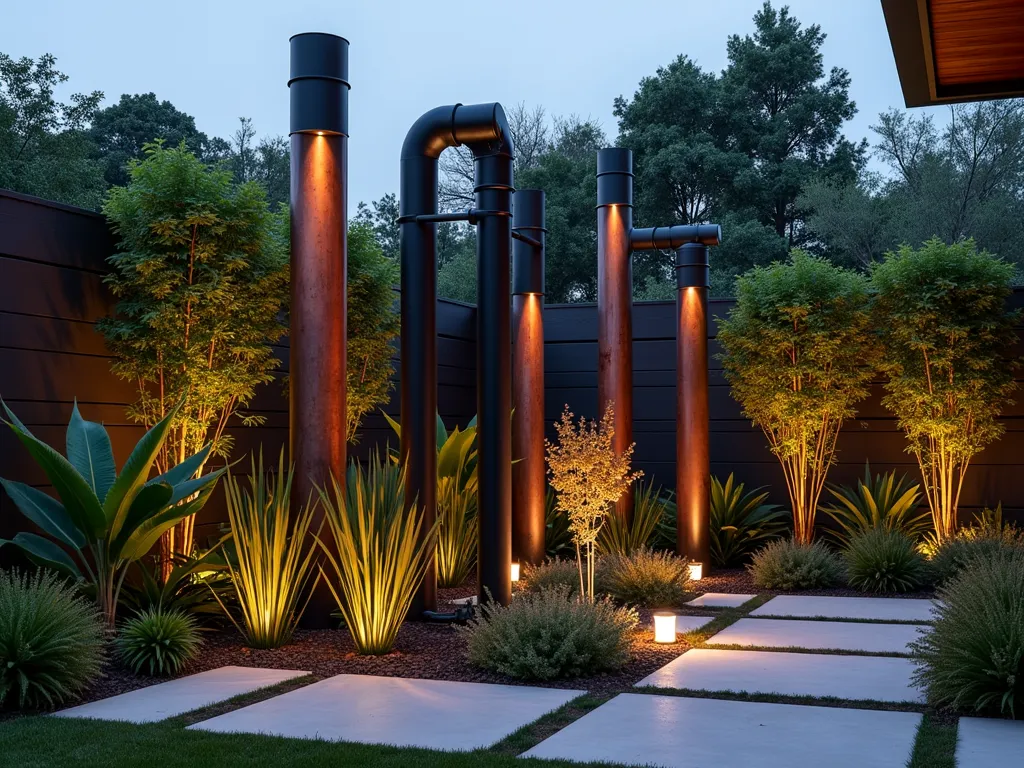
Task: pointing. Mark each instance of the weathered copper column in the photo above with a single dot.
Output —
(693, 460)
(615, 299)
(318, 91)
(528, 473)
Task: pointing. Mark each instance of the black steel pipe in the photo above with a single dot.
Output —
(483, 128)
(615, 300)
(318, 95)
(693, 459)
(664, 238)
(528, 473)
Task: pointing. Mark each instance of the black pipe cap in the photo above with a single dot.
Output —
(318, 84)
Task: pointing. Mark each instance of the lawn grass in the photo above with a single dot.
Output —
(45, 742)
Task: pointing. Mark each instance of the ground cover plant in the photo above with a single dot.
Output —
(550, 634)
(108, 520)
(646, 578)
(51, 640)
(973, 659)
(158, 642)
(553, 572)
(883, 560)
(788, 564)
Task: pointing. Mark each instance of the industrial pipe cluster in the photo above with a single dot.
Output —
(510, 228)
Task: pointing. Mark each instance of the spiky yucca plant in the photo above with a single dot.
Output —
(51, 640)
(271, 554)
(158, 642)
(621, 538)
(382, 552)
(740, 522)
(887, 501)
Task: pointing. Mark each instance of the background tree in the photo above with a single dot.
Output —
(266, 161)
(799, 356)
(373, 323)
(382, 216)
(122, 131)
(44, 147)
(200, 289)
(948, 335)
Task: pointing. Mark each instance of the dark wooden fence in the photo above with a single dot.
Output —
(52, 261)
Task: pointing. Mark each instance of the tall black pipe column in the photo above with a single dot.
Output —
(693, 451)
(482, 128)
(318, 92)
(615, 300)
(528, 473)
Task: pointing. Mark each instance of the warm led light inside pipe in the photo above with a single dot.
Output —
(664, 627)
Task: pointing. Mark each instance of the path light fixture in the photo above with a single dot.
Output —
(696, 571)
(515, 572)
(318, 91)
(528, 473)
(484, 130)
(616, 241)
(664, 627)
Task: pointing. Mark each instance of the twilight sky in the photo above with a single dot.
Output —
(221, 59)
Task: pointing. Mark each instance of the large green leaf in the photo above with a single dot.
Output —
(147, 534)
(452, 454)
(45, 552)
(186, 470)
(136, 471)
(89, 451)
(442, 433)
(46, 512)
(183, 491)
(80, 501)
(148, 502)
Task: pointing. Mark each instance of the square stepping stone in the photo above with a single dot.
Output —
(435, 714)
(819, 635)
(720, 600)
(680, 732)
(984, 743)
(877, 678)
(175, 697)
(876, 608)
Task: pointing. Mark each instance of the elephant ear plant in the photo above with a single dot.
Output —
(103, 521)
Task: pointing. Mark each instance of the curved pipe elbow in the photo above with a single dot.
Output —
(432, 133)
(481, 127)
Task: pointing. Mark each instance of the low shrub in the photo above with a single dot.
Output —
(983, 539)
(883, 560)
(973, 659)
(646, 578)
(552, 573)
(158, 642)
(785, 564)
(550, 634)
(51, 640)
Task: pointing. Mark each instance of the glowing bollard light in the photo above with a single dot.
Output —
(664, 627)
(696, 571)
(515, 572)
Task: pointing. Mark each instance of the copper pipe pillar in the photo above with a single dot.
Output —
(615, 299)
(317, 337)
(528, 473)
(693, 453)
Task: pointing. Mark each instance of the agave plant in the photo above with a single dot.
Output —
(198, 585)
(618, 537)
(883, 502)
(741, 522)
(382, 552)
(270, 554)
(103, 521)
(457, 497)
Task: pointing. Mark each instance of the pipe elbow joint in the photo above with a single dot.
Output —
(483, 128)
(432, 133)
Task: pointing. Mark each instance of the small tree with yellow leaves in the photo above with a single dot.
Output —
(588, 478)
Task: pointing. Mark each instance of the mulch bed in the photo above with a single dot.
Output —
(427, 651)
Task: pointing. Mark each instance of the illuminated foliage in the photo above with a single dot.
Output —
(799, 356)
(588, 477)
